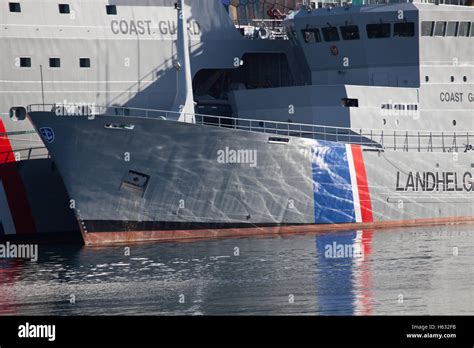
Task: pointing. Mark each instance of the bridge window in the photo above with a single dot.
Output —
(330, 34)
(464, 28)
(54, 62)
(14, 7)
(111, 10)
(427, 28)
(25, 62)
(440, 29)
(377, 31)
(311, 35)
(85, 62)
(404, 29)
(452, 29)
(350, 102)
(64, 8)
(350, 32)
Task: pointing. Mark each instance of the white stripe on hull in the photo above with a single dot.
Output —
(355, 188)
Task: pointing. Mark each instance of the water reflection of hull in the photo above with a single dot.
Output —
(344, 280)
(8, 271)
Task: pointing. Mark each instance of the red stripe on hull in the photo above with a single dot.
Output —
(110, 238)
(17, 199)
(6, 153)
(362, 184)
(14, 188)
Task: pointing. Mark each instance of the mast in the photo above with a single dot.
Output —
(184, 101)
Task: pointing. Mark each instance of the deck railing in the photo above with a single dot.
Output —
(382, 139)
(25, 154)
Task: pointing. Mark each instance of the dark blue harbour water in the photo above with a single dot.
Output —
(400, 272)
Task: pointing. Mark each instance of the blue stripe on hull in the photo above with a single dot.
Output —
(333, 198)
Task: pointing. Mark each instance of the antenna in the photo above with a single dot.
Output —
(184, 101)
(42, 83)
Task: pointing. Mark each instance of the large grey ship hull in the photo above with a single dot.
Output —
(131, 56)
(165, 180)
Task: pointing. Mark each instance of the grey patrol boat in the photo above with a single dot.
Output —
(113, 53)
(374, 129)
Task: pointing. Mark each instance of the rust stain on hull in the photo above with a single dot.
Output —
(113, 238)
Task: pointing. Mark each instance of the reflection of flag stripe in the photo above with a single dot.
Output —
(365, 205)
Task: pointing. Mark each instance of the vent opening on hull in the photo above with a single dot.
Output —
(135, 182)
(278, 140)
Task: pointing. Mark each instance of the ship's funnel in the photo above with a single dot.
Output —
(184, 101)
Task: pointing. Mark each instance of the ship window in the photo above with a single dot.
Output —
(350, 102)
(311, 35)
(350, 32)
(472, 29)
(376, 31)
(412, 107)
(54, 62)
(464, 29)
(386, 106)
(25, 62)
(404, 29)
(111, 9)
(440, 29)
(85, 62)
(427, 28)
(14, 6)
(452, 29)
(64, 8)
(330, 34)
(464, 78)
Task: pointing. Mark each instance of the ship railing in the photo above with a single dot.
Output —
(29, 153)
(382, 139)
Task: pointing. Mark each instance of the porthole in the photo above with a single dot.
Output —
(384, 121)
(454, 122)
(85, 62)
(452, 78)
(427, 79)
(111, 10)
(14, 7)
(24, 62)
(464, 78)
(64, 8)
(54, 62)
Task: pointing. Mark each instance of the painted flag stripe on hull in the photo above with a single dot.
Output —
(354, 184)
(365, 203)
(15, 191)
(340, 185)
